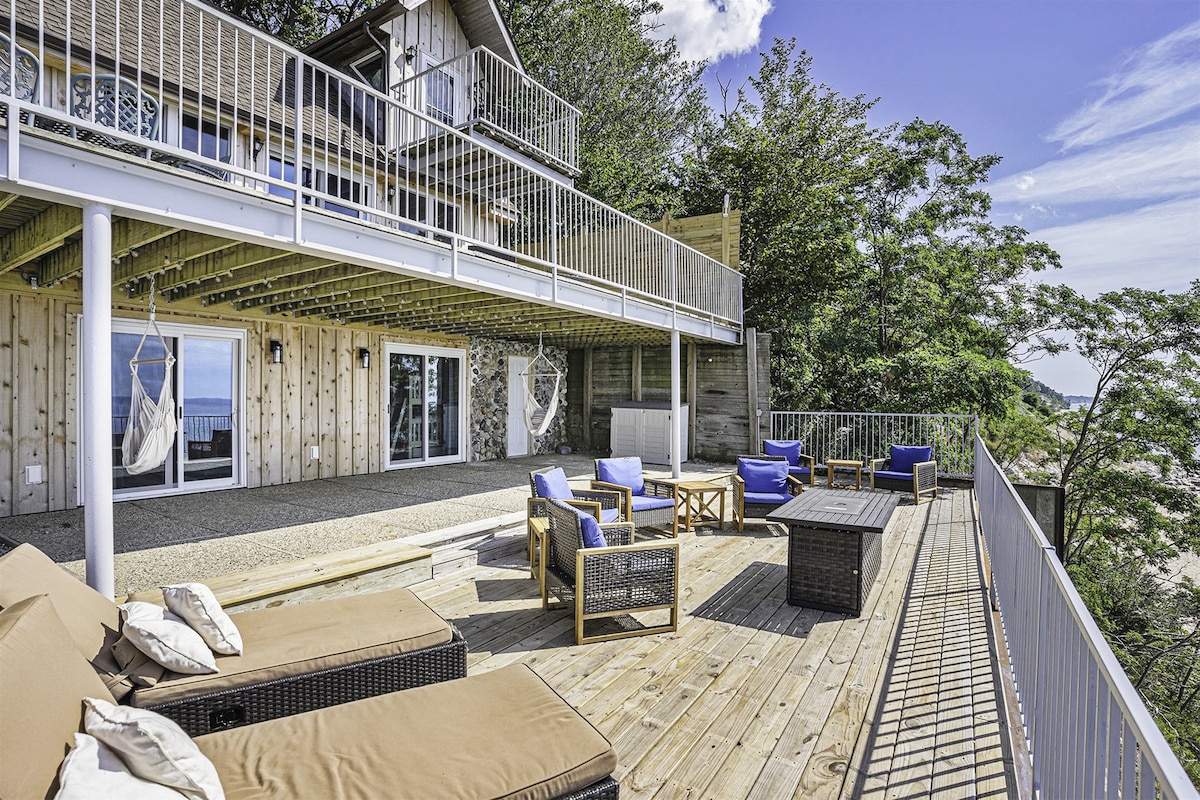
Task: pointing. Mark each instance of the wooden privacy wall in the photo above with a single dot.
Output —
(714, 235)
(319, 396)
(725, 386)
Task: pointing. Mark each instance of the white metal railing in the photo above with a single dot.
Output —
(501, 100)
(239, 107)
(1089, 733)
(867, 435)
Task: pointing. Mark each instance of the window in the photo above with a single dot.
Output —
(345, 188)
(416, 207)
(286, 171)
(204, 138)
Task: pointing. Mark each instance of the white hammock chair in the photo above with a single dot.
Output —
(538, 417)
(150, 434)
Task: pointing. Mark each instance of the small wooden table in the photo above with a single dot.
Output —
(539, 530)
(696, 503)
(835, 547)
(832, 463)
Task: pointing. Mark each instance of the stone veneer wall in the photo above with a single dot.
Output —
(489, 397)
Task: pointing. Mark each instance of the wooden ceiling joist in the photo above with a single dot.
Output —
(41, 235)
(127, 235)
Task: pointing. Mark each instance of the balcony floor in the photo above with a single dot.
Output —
(753, 698)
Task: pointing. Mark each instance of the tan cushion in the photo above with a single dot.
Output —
(292, 640)
(93, 620)
(500, 734)
(43, 681)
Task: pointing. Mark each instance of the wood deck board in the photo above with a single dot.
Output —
(751, 697)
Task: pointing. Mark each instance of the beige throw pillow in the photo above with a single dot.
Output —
(197, 606)
(154, 748)
(166, 638)
(91, 771)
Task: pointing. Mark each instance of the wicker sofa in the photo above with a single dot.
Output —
(504, 733)
(296, 657)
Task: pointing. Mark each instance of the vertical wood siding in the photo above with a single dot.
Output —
(319, 395)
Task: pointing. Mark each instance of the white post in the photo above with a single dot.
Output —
(676, 422)
(97, 398)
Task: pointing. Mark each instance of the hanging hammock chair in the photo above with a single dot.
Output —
(538, 416)
(150, 434)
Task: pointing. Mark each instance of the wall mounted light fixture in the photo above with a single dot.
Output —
(364, 357)
(256, 147)
(410, 53)
(276, 351)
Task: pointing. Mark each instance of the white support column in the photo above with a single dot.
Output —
(96, 398)
(676, 422)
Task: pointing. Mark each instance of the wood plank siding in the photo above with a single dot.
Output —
(317, 396)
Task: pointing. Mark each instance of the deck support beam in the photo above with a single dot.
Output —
(97, 398)
(676, 423)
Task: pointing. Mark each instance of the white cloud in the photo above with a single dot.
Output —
(712, 29)
(1153, 166)
(1154, 248)
(1156, 83)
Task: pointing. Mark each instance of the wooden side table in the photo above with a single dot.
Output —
(832, 463)
(696, 503)
(539, 530)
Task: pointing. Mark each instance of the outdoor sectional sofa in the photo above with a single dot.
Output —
(295, 658)
(501, 734)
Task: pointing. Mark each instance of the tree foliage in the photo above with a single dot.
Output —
(638, 98)
(298, 22)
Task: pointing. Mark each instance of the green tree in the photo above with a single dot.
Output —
(638, 98)
(298, 22)
(1130, 468)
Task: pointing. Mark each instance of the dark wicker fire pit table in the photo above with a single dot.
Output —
(834, 546)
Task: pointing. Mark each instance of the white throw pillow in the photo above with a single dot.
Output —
(197, 606)
(153, 747)
(166, 638)
(91, 771)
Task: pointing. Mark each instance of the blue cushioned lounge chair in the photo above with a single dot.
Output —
(761, 485)
(646, 502)
(799, 465)
(906, 469)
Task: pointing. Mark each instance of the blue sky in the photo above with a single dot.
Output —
(1093, 104)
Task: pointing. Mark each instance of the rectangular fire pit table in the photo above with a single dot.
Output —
(834, 547)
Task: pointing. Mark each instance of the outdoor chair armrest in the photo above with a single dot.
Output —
(657, 488)
(625, 492)
(535, 507)
(617, 533)
(605, 498)
(924, 468)
(807, 461)
(794, 485)
(879, 463)
(605, 559)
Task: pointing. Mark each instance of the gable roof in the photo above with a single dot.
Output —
(480, 21)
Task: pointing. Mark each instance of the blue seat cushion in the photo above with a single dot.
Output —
(625, 471)
(903, 458)
(644, 503)
(891, 473)
(783, 447)
(592, 535)
(763, 476)
(799, 471)
(610, 515)
(552, 484)
(768, 498)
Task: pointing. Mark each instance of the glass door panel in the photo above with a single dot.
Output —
(124, 345)
(207, 414)
(424, 394)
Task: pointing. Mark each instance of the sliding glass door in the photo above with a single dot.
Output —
(424, 391)
(206, 385)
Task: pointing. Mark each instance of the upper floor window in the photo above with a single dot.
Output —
(439, 93)
(204, 138)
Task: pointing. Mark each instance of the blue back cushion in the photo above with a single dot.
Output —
(782, 447)
(553, 484)
(763, 476)
(592, 535)
(903, 458)
(623, 472)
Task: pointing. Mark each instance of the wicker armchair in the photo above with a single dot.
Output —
(604, 505)
(799, 465)
(646, 502)
(616, 579)
(906, 469)
(761, 485)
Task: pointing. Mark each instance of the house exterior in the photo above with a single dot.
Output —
(353, 254)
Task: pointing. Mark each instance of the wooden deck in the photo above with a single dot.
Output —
(753, 698)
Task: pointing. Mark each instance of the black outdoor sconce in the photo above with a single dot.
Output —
(364, 357)
(276, 351)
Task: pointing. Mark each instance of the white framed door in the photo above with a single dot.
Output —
(207, 383)
(518, 392)
(425, 405)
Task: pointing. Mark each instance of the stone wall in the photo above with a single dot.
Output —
(489, 397)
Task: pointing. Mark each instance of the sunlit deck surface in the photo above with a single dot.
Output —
(754, 698)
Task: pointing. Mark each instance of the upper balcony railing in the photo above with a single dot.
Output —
(499, 100)
(186, 87)
(1088, 731)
